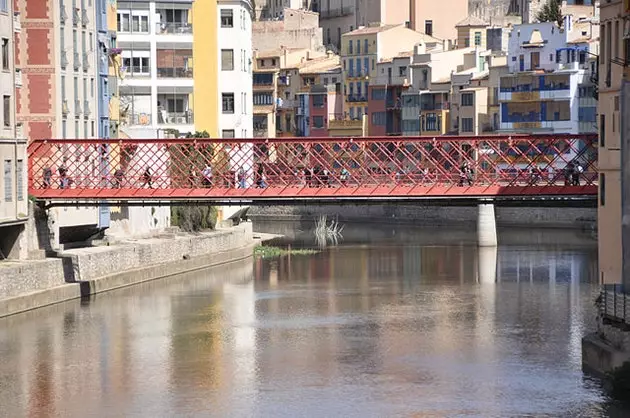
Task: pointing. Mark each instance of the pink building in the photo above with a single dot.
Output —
(325, 104)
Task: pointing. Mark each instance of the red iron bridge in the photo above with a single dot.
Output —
(313, 170)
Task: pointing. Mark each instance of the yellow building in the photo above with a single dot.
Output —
(362, 49)
(206, 79)
(614, 53)
(471, 32)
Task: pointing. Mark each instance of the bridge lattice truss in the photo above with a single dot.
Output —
(314, 168)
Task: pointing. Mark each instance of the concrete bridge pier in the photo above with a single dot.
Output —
(486, 225)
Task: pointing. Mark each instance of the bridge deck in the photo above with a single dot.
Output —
(314, 168)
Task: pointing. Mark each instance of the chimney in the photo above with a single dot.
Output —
(412, 15)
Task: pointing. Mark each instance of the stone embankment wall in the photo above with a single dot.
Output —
(80, 272)
(583, 218)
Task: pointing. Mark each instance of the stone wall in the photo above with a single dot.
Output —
(433, 215)
(31, 284)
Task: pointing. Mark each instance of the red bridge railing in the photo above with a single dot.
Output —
(285, 168)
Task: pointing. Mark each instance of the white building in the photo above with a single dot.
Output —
(549, 88)
(235, 75)
(156, 39)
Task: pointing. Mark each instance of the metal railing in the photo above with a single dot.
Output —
(174, 72)
(173, 28)
(175, 118)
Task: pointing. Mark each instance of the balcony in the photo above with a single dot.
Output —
(77, 108)
(76, 17)
(174, 72)
(86, 61)
(139, 118)
(287, 104)
(336, 12)
(175, 118)
(65, 109)
(356, 98)
(86, 109)
(77, 61)
(173, 28)
(435, 106)
(85, 19)
(63, 60)
(18, 78)
(62, 13)
(17, 23)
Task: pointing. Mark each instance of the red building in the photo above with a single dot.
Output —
(35, 57)
(385, 110)
(324, 105)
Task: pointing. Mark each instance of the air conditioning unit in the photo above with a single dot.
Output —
(180, 120)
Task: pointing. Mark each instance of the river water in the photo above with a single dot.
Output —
(416, 326)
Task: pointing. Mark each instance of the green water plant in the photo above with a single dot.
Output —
(264, 251)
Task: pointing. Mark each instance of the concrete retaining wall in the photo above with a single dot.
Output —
(432, 215)
(81, 272)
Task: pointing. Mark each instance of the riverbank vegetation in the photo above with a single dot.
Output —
(264, 251)
(194, 218)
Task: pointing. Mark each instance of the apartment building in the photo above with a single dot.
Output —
(156, 42)
(471, 32)
(266, 80)
(426, 105)
(438, 19)
(549, 88)
(385, 95)
(10, 79)
(235, 76)
(614, 59)
(497, 68)
(362, 49)
(296, 29)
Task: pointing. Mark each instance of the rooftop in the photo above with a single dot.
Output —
(368, 30)
(272, 53)
(320, 65)
(471, 21)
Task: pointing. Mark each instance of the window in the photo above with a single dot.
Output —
(8, 181)
(477, 38)
(379, 118)
(19, 178)
(4, 6)
(6, 111)
(140, 24)
(402, 71)
(366, 66)
(124, 22)
(228, 134)
(85, 129)
(350, 46)
(365, 46)
(318, 100)
(137, 65)
(467, 99)
(602, 130)
(228, 102)
(263, 99)
(92, 129)
(227, 59)
(602, 189)
(358, 46)
(64, 129)
(227, 18)
(5, 54)
(77, 134)
(466, 42)
(428, 27)
(318, 122)
(378, 94)
(467, 125)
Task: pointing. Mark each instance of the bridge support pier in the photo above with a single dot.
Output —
(486, 225)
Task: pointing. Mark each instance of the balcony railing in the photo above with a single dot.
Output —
(63, 60)
(337, 12)
(86, 61)
(357, 98)
(173, 28)
(77, 108)
(174, 72)
(85, 18)
(77, 61)
(65, 109)
(76, 17)
(62, 13)
(260, 132)
(434, 106)
(86, 108)
(139, 118)
(175, 118)
(527, 88)
(288, 104)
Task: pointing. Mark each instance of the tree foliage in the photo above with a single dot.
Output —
(551, 12)
(194, 218)
(189, 160)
